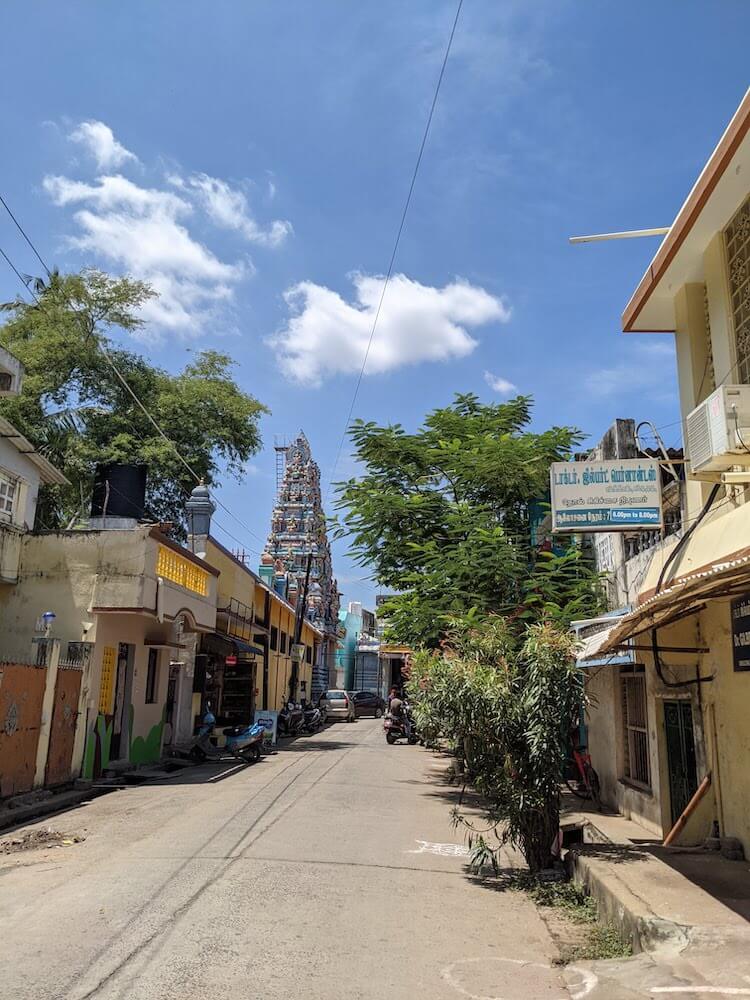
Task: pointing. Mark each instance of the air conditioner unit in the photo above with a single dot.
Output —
(718, 432)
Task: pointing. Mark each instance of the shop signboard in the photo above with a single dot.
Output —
(270, 721)
(606, 496)
(740, 611)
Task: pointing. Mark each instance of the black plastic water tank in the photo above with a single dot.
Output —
(126, 496)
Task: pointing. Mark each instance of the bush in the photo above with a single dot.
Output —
(505, 699)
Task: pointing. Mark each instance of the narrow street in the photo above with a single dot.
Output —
(318, 872)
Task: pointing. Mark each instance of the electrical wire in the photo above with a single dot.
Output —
(397, 241)
(116, 371)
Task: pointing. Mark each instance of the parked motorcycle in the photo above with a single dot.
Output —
(243, 742)
(398, 727)
(291, 719)
(313, 717)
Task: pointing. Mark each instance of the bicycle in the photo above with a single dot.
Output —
(586, 782)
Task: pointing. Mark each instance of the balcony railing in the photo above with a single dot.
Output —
(170, 565)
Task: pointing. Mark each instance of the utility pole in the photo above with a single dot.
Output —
(298, 620)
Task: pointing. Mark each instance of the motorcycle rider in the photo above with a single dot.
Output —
(398, 710)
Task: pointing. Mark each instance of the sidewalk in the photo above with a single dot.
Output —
(686, 912)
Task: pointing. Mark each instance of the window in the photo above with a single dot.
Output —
(8, 496)
(308, 654)
(737, 243)
(274, 637)
(283, 642)
(635, 725)
(152, 677)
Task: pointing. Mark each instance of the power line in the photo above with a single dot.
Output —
(116, 371)
(23, 233)
(396, 242)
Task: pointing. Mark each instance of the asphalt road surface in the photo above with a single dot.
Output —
(329, 869)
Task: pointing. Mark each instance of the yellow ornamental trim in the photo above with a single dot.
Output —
(106, 690)
(172, 566)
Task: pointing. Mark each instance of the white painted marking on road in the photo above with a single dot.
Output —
(588, 982)
(588, 979)
(729, 991)
(442, 850)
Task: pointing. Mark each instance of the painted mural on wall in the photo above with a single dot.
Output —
(98, 742)
(142, 750)
(147, 750)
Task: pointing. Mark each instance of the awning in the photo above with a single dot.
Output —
(687, 596)
(593, 635)
(240, 645)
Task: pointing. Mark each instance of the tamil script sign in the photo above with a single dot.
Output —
(741, 632)
(606, 496)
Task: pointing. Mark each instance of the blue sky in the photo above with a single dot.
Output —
(255, 168)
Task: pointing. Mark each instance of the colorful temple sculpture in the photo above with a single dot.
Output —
(298, 529)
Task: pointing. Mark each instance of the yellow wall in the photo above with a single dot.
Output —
(237, 582)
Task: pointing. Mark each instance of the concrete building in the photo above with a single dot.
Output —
(22, 471)
(247, 662)
(124, 601)
(680, 714)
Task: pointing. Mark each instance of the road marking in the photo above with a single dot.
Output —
(588, 979)
(442, 850)
(729, 991)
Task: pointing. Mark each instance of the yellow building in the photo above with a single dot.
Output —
(124, 605)
(247, 663)
(683, 714)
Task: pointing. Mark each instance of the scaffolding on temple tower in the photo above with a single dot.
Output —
(280, 446)
(298, 533)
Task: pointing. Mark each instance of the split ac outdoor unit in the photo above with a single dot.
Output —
(718, 432)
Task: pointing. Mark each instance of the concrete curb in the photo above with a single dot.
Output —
(618, 905)
(61, 802)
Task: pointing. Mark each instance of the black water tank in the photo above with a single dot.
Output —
(126, 496)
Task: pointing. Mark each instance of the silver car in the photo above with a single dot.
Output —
(338, 705)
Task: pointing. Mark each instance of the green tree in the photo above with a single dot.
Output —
(506, 698)
(444, 516)
(77, 411)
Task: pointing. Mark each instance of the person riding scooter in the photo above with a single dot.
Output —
(400, 711)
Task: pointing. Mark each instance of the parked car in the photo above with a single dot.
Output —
(338, 705)
(367, 703)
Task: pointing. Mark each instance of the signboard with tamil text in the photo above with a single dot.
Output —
(606, 496)
(740, 610)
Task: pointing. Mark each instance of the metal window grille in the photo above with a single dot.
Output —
(635, 727)
(737, 243)
(152, 677)
(79, 654)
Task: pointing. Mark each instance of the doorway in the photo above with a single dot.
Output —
(171, 708)
(120, 746)
(683, 774)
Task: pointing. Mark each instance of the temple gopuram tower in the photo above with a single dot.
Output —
(298, 528)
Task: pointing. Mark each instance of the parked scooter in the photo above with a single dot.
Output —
(243, 742)
(398, 727)
(291, 719)
(313, 717)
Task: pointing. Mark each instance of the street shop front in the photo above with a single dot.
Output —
(226, 678)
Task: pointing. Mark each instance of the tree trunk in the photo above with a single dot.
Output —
(539, 830)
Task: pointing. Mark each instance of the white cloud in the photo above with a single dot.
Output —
(326, 335)
(228, 208)
(141, 231)
(499, 384)
(100, 142)
(648, 366)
